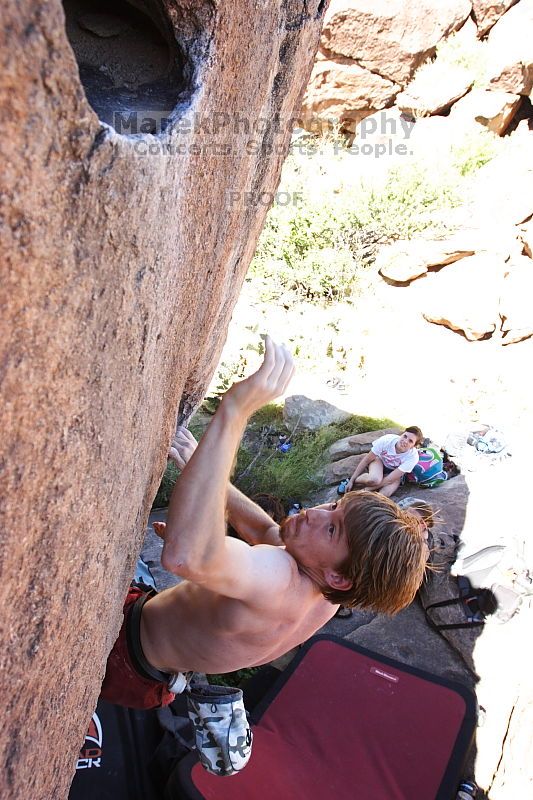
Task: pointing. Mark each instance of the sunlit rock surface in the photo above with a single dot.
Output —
(124, 246)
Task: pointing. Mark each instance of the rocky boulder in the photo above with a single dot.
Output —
(434, 89)
(492, 109)
(300, 412)
(390, 39)
(487, 12)
(449, 500)
(340, 91)
(516, 299)
(386, 131)
(336, 472)
(124, 246)
(464, 296)
(500, 195)
(357, 444)
(510, 51)
(526, 237)
(404, 261)
(328, 494)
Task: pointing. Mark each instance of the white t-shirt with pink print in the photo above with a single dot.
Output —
(384, 448)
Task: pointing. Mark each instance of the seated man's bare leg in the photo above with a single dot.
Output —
(375, 473)
(390, 488)
(374, 476)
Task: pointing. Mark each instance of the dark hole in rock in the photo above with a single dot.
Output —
(131, 66)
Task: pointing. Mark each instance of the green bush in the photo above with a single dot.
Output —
(261, 467)
(315, 247)
(168, 480)
(471, 54)
(475, 150)
(408, 203)
(295, 474)
(232, 678)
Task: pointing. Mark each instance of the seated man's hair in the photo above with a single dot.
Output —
(388, 554)
(417, 432)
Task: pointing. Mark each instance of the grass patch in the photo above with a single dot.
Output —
(168, 480)
(318, 246)
(261, 467)
(476, 149)
(232, 678)
(470, 53)
(412, 201)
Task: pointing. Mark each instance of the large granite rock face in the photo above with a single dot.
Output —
(341, 91)
(357, 444)
(391, 38)
(510, 51)
(301, 412)
(487, 12)
(123, 254)
(465, 296)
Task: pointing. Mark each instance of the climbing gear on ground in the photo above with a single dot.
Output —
(476, 605)
(488, 440)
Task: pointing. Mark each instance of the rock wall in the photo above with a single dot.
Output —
(124, 247)
(372, 56)
(436, 72)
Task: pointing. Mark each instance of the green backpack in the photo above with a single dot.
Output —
(429, 471)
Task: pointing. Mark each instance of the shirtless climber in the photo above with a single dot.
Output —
(244, 603)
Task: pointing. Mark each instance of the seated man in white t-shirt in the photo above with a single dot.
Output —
(390, 458)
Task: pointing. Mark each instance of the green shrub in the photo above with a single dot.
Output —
(261, 467)
(232, 678)
(168, 480)
(295, 474)
(411, 201)
(476, 149)
(471, 54)
(315, 249)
